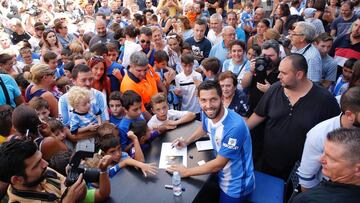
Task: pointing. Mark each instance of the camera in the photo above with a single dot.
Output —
(91, 175)
(261, 65)
(286, 42)
(33, 11)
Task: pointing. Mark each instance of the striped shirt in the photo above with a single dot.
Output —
(231, 139)
(313, 59)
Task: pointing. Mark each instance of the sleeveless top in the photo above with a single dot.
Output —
(37, 93)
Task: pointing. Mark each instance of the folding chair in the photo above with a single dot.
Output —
(268, 189)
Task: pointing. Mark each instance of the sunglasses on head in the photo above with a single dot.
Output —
(97, 58)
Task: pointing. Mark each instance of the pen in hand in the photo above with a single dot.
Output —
(176, 142)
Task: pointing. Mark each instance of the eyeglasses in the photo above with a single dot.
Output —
(296, 34)
(143, 42)
(64, 27)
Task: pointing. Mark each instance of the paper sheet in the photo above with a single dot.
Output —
(172, 156)
(204, 145)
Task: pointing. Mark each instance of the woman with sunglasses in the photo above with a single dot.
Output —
(173, 49)
(50, 42)
(43, 81)
(101, 81)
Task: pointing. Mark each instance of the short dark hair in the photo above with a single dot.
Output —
(187, 58)
(55, 124)
(228, 74)
(201, 21)
(131, 31)
(5, 120)
(209, 85)
(350, 139)
(99, 49)
(79, 68)
(237, 42)
(139, 128)
(350, 63)
(112, 47)
(38, 103)
(115, 95)
(14, 153)
(60, 160)
(298, 62)
(146, 31)
(66, 51)
(161, 56)
(148, 10)
(323, 37)
(109, 141)
(271, 44)
(350, 100)
(25, 118)
(49, 56)
(211, 64)
(5, 58)
(129, 98)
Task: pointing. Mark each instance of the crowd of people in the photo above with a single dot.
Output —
(272, 82)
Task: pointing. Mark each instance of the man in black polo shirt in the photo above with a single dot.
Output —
(291, 107)
(341, 163)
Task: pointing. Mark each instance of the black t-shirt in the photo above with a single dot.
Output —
(255, 94)
(330, 192)
(16, 38)
(287, 125)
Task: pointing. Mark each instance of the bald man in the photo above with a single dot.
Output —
(102, 36)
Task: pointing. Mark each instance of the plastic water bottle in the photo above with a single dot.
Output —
(176, 182)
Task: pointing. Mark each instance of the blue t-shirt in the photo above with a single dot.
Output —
(231, 139)
(114, 82)
(114, 120)
(124, 129)
(12, 89)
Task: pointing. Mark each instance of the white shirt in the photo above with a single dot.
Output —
(214, 39)
(172, 115)
(129, 48)
(188, 91)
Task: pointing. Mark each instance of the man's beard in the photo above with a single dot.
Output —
(35, 182)
(217, 112)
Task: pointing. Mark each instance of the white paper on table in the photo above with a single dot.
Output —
(204, 145)
(172, 156)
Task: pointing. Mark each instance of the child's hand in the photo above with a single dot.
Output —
(117, 74)
(104, 162)
(177, 91)
(131, 135)
(93, 126)
(170, 75)
(196, 81)
(171, 123)
(148, 168)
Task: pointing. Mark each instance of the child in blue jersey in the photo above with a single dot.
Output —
(116, 108)
(342, 84)
(131, 102)
(137, 129)
(83, 119)
(110, 146)
(247, 17)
